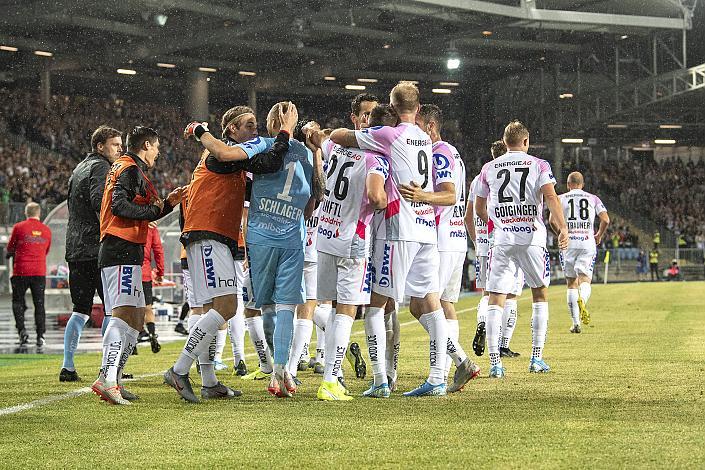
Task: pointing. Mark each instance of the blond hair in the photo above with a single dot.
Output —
(515, 133)
(405, 98)
(32, 209)
(576, 179)
(233, 116)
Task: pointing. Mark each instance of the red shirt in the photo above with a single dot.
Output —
(29, 244)
(154, 243)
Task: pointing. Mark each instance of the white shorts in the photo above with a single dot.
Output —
(504, 260)
(212, 270)
(402, 268)
(345, 280)
(518, 282)
(481, 272)
(450, 274)
(188, 289)
(122, 287)
(576, 262)
(310, 280)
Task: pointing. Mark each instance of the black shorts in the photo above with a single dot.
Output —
(147, 289)
(84, 281)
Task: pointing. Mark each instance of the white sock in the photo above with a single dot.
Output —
(205, 361)
(391, 323)
(198, 341)
(220, 344)
(509, 321)
(494, 331)
(482, 309)
(376, 343)
(191, 321)
(573, 309)
(302, 335)
(320, 345)
(113, 347)
(456, 353)
(539, 328)
(130, 343)
(338, 346)
(585, 291)
(435, 325)
(256, 329)
(236, 327)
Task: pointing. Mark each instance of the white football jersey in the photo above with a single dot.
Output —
(512, 184)
(345, 214)
(482, 240)
(450, 220)
(580, 209)
(310, 253)
(409, 151)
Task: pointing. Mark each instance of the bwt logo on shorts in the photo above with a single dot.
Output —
(208, 265)
(126, 280)
(515, 229)
(385, 271)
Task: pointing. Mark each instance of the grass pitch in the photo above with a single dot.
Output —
(628, 392)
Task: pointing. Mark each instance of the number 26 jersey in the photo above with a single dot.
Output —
(512, 184)
(345, 214)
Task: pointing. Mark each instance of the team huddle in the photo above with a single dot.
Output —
(312, 226)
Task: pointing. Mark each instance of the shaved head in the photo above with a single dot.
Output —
(576, 180)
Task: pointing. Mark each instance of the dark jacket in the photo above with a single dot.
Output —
(113, 250)
(86, 186)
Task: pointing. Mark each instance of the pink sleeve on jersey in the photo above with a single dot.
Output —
(483, 187)
(378, 139)
(327, 148)
(377, 164)
(599, 206)
(443, 165)
(545, 173)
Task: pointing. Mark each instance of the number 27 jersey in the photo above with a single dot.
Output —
(345, 214)
(513, 183)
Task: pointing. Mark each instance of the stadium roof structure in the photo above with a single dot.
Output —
(318, 47)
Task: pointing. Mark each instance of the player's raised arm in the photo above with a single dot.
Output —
(445, 196)
(556, 213)
(344, 137)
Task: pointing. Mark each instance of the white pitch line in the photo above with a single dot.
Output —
(85, 390)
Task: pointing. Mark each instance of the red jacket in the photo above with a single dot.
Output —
(29, 244)
(154, 243)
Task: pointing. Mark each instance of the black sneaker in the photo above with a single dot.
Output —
(69, 376)
(143, 337)
(478, 342)
(181, 329)
(241, 368)
(356, 360)
(506, 352)
(156, 347)
(296, 380)
(40, 341)
(24, 338)
(302, 366)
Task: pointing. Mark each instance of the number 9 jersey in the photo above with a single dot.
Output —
(410, 159)
(580, 209)
(512, 184)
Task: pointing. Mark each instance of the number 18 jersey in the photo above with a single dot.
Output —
(512, 183)
(410, 159)
(344, 215)
(580, 209)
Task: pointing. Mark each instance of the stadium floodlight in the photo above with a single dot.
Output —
(572, 141)
(664, 141)
(453, 63)
(487, 33)
(387, 46)
(44, 53)
(670, 126)
(624, 36)
(160, 19)
(616, 126)
(441, 91)
(354, 87)
(207, 69)
(329, 78)
(449, 84)
(245, 73)
(367, 80)
(126, 72)
(565, 96)
(8, 48)
(165, 65)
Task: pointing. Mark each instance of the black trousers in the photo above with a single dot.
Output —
(36, 284)
(654, 272)
(84, 281)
